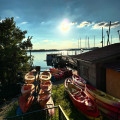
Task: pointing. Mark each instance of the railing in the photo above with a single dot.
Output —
(41, 115)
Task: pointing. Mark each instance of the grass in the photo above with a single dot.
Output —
(11, 110)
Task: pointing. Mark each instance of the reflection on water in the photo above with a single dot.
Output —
(40, 57)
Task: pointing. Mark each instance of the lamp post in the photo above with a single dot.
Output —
(119, 34)
(30, 48)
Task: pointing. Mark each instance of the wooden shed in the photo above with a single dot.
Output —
(92, 66)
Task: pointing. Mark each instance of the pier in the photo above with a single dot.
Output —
(60, 61)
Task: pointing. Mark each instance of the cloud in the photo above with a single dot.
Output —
(42, 22)
(83, 24)
(17, 17)
(106, 25)
(68, 42)
(45, 40)
(23, 23)
(73, 23)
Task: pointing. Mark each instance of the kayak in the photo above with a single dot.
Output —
(45, 76)
(49, 105)
(46, 86)
(81, 101)
(67, 72)
(103, 100)
(25, 103)
(29, 77)
(43, 98)
(78, 81)
(60, 73)
(27, 89)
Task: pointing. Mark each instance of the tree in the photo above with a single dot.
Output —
(13, 55)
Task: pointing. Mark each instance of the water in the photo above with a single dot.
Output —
(40, 57)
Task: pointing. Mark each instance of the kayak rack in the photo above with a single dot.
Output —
(37, 81)
(41, 115)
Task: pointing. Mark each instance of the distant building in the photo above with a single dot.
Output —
(93, 67)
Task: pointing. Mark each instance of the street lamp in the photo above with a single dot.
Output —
(30, 48)
(119, 34)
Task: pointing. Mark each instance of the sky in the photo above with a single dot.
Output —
(64, 24)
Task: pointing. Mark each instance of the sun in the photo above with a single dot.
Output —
(65, 26)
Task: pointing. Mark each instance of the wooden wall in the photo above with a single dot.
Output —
(113, 82)
(88, 72)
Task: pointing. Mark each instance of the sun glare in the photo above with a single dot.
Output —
(65, 26)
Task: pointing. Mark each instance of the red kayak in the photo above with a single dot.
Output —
(58, 74)
(27, 89)
(81, 101)
(78, 81)
(61, 73)
(49, 105)
(43, 98)
(25, 103)
(46, 86)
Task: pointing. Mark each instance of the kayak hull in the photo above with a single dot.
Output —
(81, 101)
(25, 103)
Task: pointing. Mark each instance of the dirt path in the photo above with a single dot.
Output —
(5, 106)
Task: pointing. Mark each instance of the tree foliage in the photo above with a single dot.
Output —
(13, 55)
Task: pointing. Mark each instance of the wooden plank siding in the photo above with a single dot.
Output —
(113, 82)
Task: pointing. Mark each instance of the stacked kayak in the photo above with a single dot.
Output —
(29, 77)
(107, 104)
(81, 101)
(27, 89)
(50, 104)
(25, 103)
(46, 86)
(45, 76)
(44, 97)
(37, 88)
(26, 100)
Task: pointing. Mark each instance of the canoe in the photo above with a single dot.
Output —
(43, 98)
(25, 103)
(45, 76)
(27, 89)
(103, 99)
(49, 105)
(29, 77)
(78, 81)
(81, 101)
(58, 74)
(46, 86)
(108, 113)
(67, 72)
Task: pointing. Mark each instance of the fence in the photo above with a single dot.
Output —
(43, 114)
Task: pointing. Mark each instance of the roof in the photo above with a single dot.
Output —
(100, 53)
